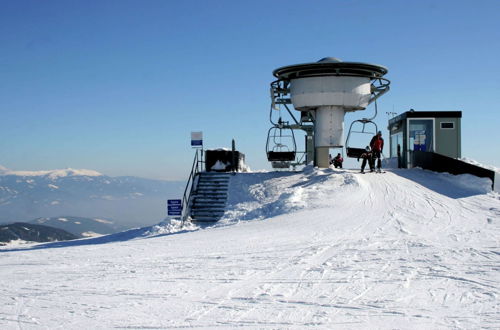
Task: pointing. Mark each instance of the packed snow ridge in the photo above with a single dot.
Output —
(473, 162)
(52, 174)
(330, 249)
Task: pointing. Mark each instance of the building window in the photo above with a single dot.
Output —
(421, 135)
(447, 125)
(396, 139)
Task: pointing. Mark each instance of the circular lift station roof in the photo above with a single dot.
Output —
(330, 66)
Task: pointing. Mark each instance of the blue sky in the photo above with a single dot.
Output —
(117, 86)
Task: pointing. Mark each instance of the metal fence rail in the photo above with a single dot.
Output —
(191, 184)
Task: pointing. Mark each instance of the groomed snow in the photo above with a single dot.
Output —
(408, 249)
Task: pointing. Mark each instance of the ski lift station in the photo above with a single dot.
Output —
(320, 93)
(312, 99)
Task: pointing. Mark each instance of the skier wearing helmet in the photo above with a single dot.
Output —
(377, 145)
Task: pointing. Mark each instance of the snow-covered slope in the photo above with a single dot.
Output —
(320, 248)
(130, 201)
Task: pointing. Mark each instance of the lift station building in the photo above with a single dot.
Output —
(430, 131)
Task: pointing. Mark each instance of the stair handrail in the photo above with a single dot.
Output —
(195, 169)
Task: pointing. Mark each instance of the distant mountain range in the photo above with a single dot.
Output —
(126, 201)
(33, 233)
(81, 227)
(57, 229)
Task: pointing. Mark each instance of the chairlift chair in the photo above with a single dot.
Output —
(281, 147)
(355, 152)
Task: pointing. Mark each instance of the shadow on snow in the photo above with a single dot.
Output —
(452, 186)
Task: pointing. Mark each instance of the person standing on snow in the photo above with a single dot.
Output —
(377, 145)
(367, 157)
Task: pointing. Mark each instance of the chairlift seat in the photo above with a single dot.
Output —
(279, 156)
(355, 152)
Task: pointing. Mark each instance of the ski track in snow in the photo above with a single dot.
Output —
(320, 248)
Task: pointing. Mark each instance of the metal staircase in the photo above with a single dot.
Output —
(209, 197)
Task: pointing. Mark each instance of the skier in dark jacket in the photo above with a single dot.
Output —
(377, 145)
(337, 161)
(367, 157)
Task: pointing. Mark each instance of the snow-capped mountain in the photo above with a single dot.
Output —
(53, 174)
(131, 201)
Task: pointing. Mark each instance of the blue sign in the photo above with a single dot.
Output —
(174, 207)
(195, 143)
(174, 213)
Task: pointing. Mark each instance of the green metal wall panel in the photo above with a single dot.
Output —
(448, 140)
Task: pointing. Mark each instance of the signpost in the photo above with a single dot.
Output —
(174, 207)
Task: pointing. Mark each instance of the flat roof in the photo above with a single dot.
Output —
(426, 114)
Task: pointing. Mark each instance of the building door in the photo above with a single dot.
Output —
(397, 148)
(420, 136)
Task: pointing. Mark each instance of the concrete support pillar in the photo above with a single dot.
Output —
(329, 127)
(322, 160)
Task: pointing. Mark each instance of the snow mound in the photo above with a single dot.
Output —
(169, 226)
(263, 195)
(473, 162)
(468, 182)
